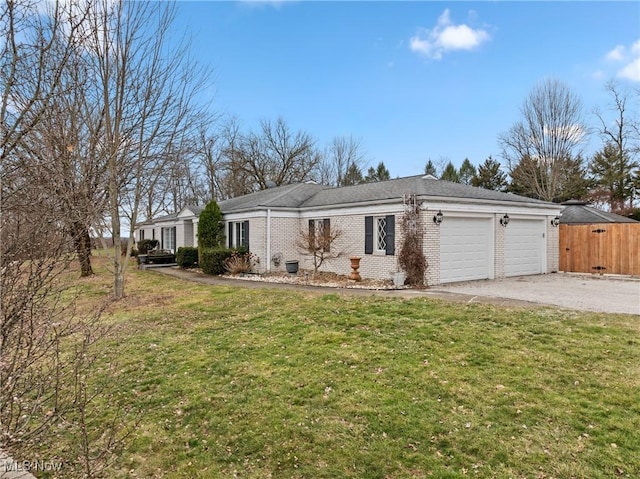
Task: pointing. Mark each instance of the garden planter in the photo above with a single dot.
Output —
(292, 267)
(355, 264)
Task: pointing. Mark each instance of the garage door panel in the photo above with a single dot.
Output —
(524, 247)
(465, 249)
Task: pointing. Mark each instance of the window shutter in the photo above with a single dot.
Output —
(326, 232)
(368, 235)
(246, 234)
(312, 234)
(230, 234)
(391, 235)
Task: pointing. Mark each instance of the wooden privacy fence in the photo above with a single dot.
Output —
(607, 248)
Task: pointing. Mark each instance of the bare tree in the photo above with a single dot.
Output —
(144, 88)
(275, 156)
(64, 150)
(615, 167)
(226, 163)
(210, 155)
(341, 157)
(552, 131)
(46, 347)
(318, 241)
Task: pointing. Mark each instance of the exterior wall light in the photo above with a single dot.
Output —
(555, 221)
(437, 218)
(504, 221)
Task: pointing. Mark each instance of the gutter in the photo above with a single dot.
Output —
(268, 248)
(398, 201)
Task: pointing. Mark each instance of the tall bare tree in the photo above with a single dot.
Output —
(341, 158)
(538, 146)
(615, 168)
(275, 155)
(45, 345)
(144, 87)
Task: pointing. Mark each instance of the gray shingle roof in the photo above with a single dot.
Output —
(311, 195)
(419, 185)
(580, 213)
(306, 195)
(288, 196)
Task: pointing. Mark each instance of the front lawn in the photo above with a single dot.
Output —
(262, 383)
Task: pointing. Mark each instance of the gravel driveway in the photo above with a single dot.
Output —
(576, 291)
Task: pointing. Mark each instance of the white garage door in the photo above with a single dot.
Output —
(466, 246)
(523, 248)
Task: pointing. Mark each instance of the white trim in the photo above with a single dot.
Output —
(383, 208)
(376, 244)
(183, 213)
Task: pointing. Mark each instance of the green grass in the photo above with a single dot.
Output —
(250, 383)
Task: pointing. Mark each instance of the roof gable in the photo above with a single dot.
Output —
(288, 196)
(189, 211)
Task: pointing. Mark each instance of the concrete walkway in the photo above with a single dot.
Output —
(199, 277)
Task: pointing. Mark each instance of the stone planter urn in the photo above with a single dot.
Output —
(355, 264)
(292, 266)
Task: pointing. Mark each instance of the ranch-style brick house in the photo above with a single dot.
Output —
(466, 236)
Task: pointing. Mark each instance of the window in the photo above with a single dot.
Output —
(238, 234)
(320, 235)
(379, 234)
(141, 234)
(169, 238)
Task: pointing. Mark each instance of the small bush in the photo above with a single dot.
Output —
(146, 244)
(212, 259)
(241, 262)
(187, 256)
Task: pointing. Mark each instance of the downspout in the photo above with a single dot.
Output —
(268, 258)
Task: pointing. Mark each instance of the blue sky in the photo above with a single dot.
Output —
(411, 80)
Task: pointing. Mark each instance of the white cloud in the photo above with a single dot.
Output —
(630, 56)
(617, 54)
(631, 71)
(446, 37)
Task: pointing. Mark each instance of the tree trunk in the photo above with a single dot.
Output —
(83, 249)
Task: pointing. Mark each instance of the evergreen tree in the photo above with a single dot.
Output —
(613, 171)
(210, 227)
(490, 176)
(430, 169)
(450, 173)
(352, 176)
(569, 179)
(380, 173)
(467, 172)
